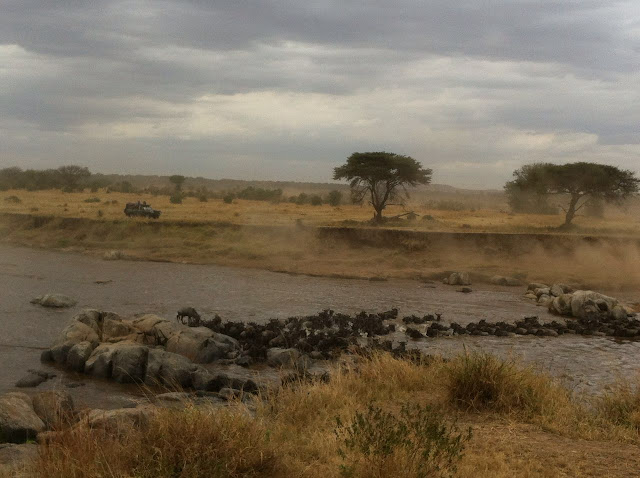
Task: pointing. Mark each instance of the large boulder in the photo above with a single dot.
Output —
(74, 333)
(147, 323)
(458, 278)
(100, 363)
(53, 406)
(278, 357)
(119, 419)
(125, 362)
(536, 285)
(557, 290)
(18, 421)
(586, 303)
(561, 304)
(14, 458)
(57, 301)
(116, 329)
(200, 344)
(91, 318)
(129, 363)
(169, 369)
(78, 356)
(508, 281)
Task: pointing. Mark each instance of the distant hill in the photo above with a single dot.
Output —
(289, 187)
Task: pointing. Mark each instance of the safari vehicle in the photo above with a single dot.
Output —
(141, 209)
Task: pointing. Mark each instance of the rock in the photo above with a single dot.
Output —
(169, 369)
(175, 397)
(14, 458)
(147, 323)
(117, 329)
(544, 299)
(205, 380)
(54, 300)
(89, 317)
(129, 363)
(531, 296)
(30, 380)
(74, 333)
(279, 357)
(99, 364)
(119, 419)
(227, 393)
(18, 421)
(53, 406)
(556, 290)
(78, 356)
(561, 304)
(200, 344)
(536, 285)
(465, 290)
(459, 278)
(618, 312)
(113, 255)
(542, 291)
(508, 281)
(586, 302)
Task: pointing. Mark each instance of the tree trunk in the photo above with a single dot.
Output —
(571, 212)
(378, 216)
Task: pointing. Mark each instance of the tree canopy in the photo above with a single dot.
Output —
(381, 177)
(177, 179)
(579, 183)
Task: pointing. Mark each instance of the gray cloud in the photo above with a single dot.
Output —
(288, 88)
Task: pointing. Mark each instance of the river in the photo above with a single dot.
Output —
(127, 287)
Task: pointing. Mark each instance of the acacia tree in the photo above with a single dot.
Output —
(71, 176)
(177, 180)
(382, 177)
(579, 183)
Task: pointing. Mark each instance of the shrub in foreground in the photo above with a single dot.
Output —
(621, 405)
(479, 381)
(176, 443)
(416, 443)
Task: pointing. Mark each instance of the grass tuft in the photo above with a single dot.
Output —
(482, 382)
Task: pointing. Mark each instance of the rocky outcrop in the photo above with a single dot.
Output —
(457, 278)
(18, 421)
(53, 407)
(503, 280)
(33, 378)
(57, 301)
(14, 458)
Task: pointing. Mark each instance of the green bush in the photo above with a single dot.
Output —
(316, 200)
(334, 198)
(228, 198)
(92, 200)
(176, 198)
(416, 443)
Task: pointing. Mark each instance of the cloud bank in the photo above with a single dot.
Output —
(283, 89)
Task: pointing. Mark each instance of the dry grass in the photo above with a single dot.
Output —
(479, 381)
(243, 212)
(293, 430)
(621, 405)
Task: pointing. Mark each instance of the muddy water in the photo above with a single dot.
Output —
(243, 294)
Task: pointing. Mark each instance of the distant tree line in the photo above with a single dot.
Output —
(78, 178)
(68, 178)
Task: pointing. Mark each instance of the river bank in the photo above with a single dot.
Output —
(588, 261)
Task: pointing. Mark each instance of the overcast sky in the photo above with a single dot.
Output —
(287, 89)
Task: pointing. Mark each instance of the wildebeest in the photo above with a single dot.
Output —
(193, 318)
